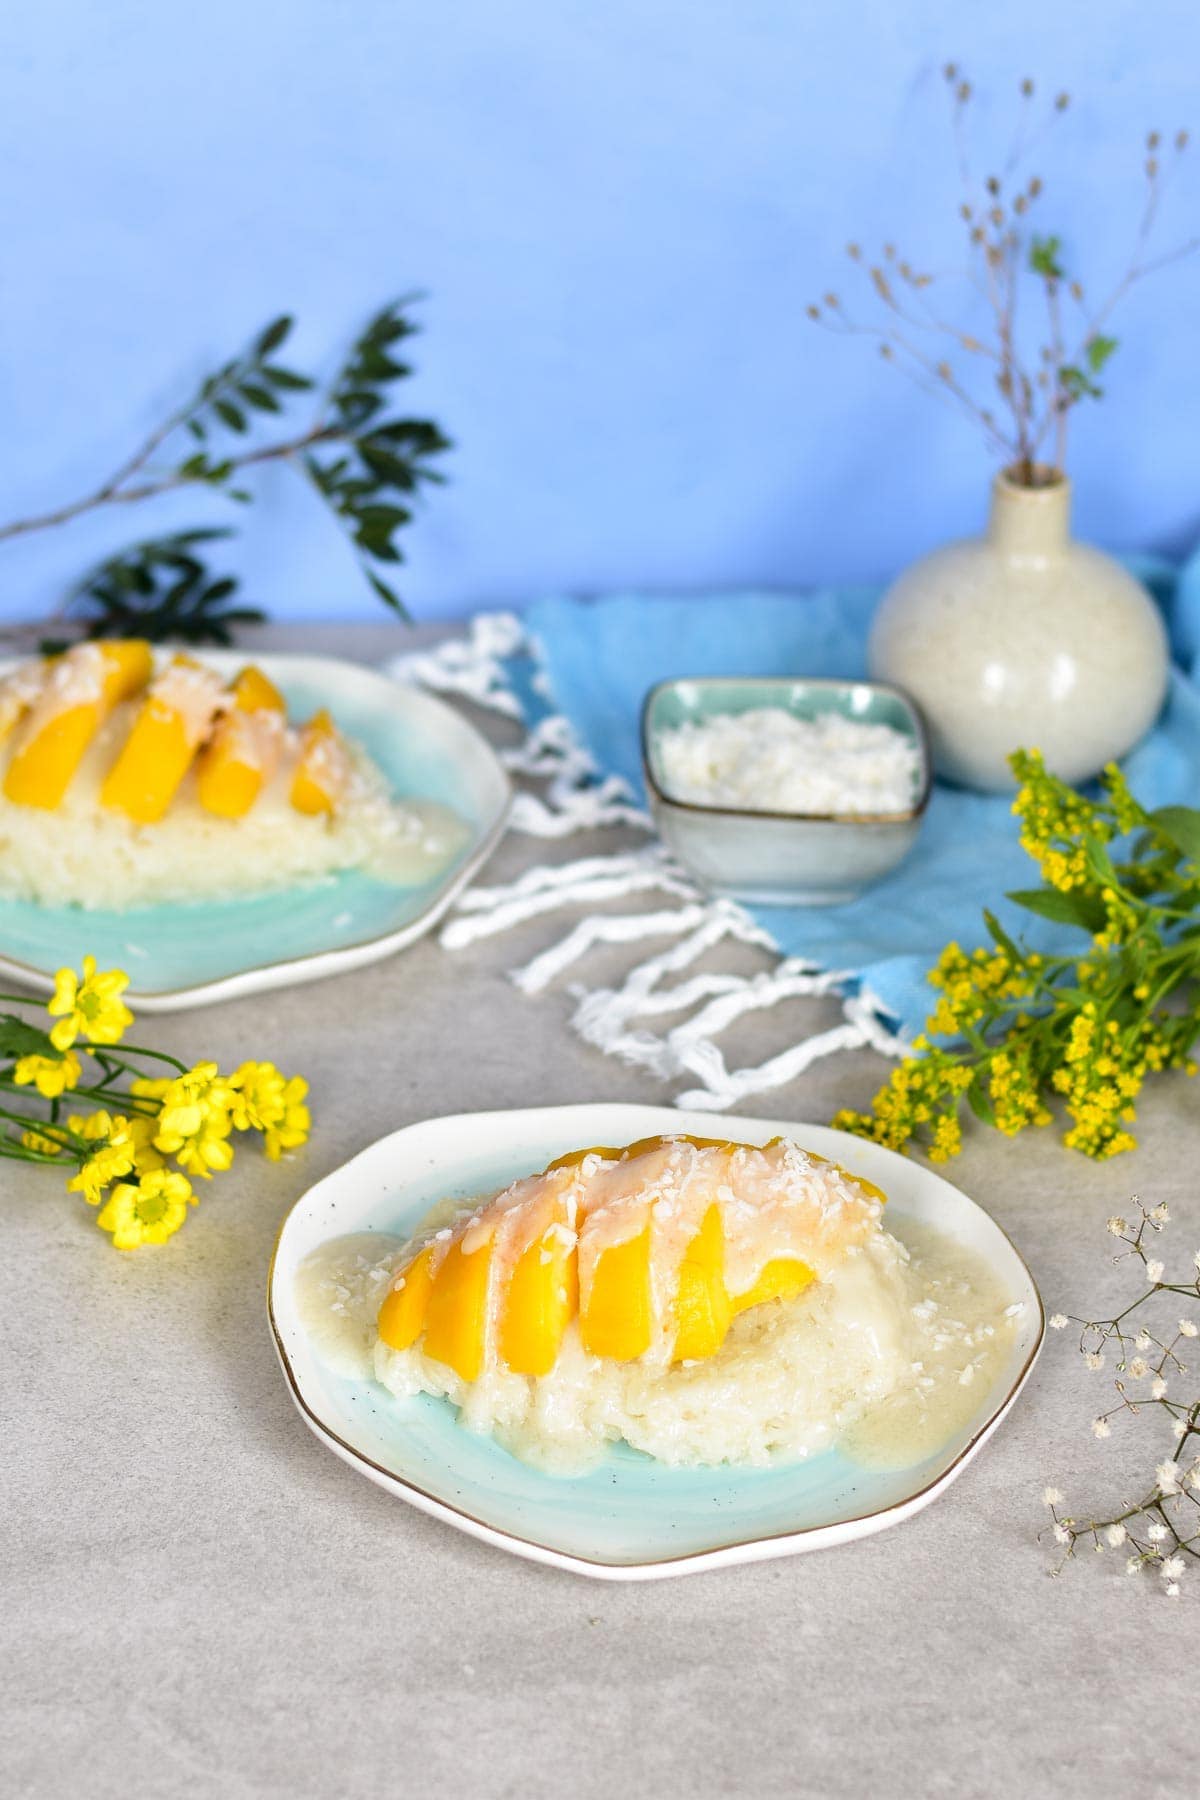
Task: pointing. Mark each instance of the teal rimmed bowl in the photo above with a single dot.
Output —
(781, 858)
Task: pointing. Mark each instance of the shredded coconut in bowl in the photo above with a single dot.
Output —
(767, 760)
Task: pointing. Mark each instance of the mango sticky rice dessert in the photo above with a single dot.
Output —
(702, 1300)
(126, 781)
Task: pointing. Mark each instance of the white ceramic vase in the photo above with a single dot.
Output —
(1023, 638)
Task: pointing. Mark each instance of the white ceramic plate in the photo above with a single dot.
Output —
(630, 1519)
(185, 955)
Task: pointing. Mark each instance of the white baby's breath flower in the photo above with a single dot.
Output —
(1101, 1428)
(1094, 1359)
(1116, 1225)
(1051, 1496)
(1158, 1387)
(1172, 1568)
(1194, 1476)
(1061, 1535)
(1143, 1340)
(1134, 1566)
(1115, 1534)
(1179, 1427)
(1196, 1259)
(1172, 1590)
(1160, 1213)
(1058, 1321)
(1187, 1328)
(1156, 1532)
(1167, 1476)
(1154, 1269)
(1139, 1368)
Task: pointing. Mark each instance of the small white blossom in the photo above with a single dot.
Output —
(1143, 1340)
(1134, 1566)
(1139, 1368)
(1172, 1568)
(1196, 1259)
(1194, 1476)
(1101, 1428)
(1187, 1327)
(1061, 1535)
(1160, 1213)
(1167, 1476)
(1115, 1535)
(1094, 1359)
(1058, 1321)
(1179, 1427)
(1172, 1590)
(1154, 1269)
(1156, 1532)
(1051, 1497)
(1158, 1387)
(1117, 1226)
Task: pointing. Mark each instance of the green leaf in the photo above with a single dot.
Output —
(1000, 937)
(388, 595)
(1098, 351)
(1084, 910)
(274, 335)
(230, 415)
(979, 1103)
(19, 1038)
(260, 397)
(1180, 825)
(1043, 257)
(285, 379)
(1076, 384)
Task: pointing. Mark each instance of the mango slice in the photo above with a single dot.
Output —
(702, 1306)
(323, 768)
(780, 1279)
(402, 1315)
(244, 750)
(456, 1312)
(616, 1315)
(175, 716)
(80, 691)
(541, 1299)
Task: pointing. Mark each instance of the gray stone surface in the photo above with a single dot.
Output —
(199, 1600)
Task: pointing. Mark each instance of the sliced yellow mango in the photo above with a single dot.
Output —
(702, 1307)
(456, 1313)
(781, 1279)
(542, 1298)
(868, 1187)
(81, 690)
(322, 769)
(615, 1318)
(175, 716)
(402, 1315)
(244, 749)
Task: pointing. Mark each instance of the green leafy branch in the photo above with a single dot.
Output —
(365, 461)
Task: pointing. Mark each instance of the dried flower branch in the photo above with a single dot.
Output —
(1161, 1529)
(1039, 374)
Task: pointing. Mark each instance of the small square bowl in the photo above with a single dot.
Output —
(781, 858)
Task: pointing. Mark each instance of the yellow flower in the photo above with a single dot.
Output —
(113, 1156)
(194, 1124)
(48, 1146)
(149, 1212)
(51, 1075)
(256, 1096)
(91, 1008)
(290, 1130)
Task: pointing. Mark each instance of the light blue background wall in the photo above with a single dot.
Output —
(619, 212)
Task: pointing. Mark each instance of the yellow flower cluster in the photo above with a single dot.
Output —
(138, 1167)
(1026, 1030)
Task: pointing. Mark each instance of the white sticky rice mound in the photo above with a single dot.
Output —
(768, 760)
(89, 855)
(791, 1377)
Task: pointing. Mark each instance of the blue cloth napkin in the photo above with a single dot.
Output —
(602, 655)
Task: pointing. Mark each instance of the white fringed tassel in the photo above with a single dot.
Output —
(578, 798)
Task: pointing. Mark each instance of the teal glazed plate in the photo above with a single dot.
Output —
(184, 955)
(630, 1519)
